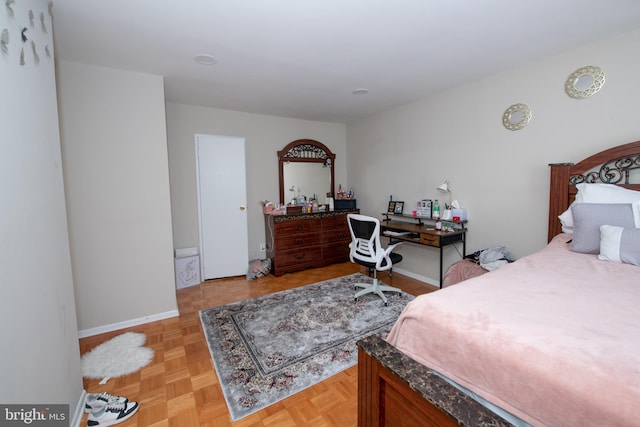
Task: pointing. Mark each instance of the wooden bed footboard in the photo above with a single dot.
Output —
(396, 391)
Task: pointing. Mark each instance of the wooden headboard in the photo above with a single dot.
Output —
(615, 165)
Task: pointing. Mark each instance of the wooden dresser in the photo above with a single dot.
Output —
(299, 241)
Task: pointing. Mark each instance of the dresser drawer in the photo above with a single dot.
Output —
(296, 240)
(430, 239)
(335, 252)
(299, 256)
(339, 221)
(295, 227)
(336, 235)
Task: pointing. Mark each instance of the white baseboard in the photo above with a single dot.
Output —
(79, 412)
(423, 279)
(127, 324)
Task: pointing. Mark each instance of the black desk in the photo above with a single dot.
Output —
(421, 230)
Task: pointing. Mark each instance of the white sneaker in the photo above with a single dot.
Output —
(112, 413)
(96, 401)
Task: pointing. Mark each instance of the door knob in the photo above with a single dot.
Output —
(242, 207)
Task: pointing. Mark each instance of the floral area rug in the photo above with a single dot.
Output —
(268, 348)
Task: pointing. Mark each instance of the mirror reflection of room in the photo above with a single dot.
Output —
(306, 182)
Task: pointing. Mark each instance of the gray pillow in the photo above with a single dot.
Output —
(587, 219)
(619, 244)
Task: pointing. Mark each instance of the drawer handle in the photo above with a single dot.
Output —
(299, 256)
(299, 241)
(343, 235)
(299, 227)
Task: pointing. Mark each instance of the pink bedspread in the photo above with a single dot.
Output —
(553, 338)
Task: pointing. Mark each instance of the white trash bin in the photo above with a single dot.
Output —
(187, 267)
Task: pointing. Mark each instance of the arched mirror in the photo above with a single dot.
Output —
(305, 169)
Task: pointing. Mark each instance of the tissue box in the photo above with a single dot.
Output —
(462, 213)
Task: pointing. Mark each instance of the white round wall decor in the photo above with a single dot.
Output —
(516, 117)
(584, 82)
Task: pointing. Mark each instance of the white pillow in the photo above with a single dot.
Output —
(619, 244)
(600, 193)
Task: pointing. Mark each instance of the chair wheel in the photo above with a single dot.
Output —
(355, 299)
(386, 304)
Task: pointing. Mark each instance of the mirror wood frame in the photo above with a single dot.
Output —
(293, 152)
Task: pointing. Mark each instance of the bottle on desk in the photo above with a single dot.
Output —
(436, 209)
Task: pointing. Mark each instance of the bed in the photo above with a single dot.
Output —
(552, 339)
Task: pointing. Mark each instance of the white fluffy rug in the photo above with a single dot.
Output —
(119, 356)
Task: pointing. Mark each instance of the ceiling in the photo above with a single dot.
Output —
(304, 58)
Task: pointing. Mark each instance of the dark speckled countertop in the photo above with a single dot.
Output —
(423, 380)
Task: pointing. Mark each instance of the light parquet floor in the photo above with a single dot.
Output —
(180, 388)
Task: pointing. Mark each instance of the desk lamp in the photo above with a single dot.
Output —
(444, 187)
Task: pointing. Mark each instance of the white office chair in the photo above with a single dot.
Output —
(365, 249)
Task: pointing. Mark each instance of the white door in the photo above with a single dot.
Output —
(221, 186)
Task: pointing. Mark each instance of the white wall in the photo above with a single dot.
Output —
(501, 176)
(114, 150)
(40, 358)
(265, 135)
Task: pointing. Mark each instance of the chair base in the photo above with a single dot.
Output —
(371, 270)
(374, 288)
